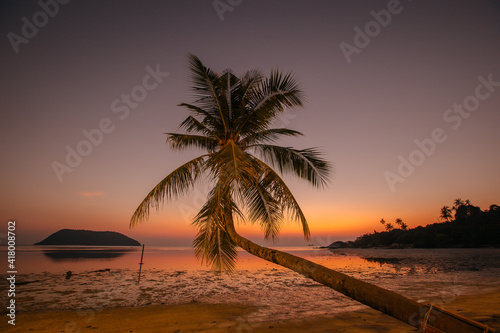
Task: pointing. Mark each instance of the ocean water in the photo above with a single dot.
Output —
(108, 277)
(59, 259)
(56, 259)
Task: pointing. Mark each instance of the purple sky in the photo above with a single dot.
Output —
(365, 110)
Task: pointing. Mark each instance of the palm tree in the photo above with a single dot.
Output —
(446, 213)
(457, 203)
(494, 208)
(401, 224)
(389, 226)
(383, 222)
(232, 121)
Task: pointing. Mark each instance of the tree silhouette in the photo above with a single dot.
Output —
(457, 203)
(401, 224)
(389, 226)
(232, 118)
(446, 213)
(465, 212)
(494, 208)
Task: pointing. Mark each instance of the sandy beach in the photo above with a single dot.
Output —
(265, 298)
(202, 317)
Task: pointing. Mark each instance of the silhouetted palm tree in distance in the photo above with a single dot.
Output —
(446, 213)
(401, 224)
(457, 203)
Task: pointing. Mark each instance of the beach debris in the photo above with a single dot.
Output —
(22, 283)
(448, 322)
(177, 273)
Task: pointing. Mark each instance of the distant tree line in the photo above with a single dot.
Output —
(389, 226)
(463, 225)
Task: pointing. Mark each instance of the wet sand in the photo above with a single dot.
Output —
(200, 317)
(255, 299)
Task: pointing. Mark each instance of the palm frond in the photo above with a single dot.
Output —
(250, 81)
(248, 85)
(174, 185)
(181, 141)
(210, 117)
(273, 96)
(269, 135)
(230, 164)
(214, 247)
(191, 124)
(282, 88)
(228, 85)
(277, 186)
(263, 207)
(307, 163)
(212, 244)
(206, 86)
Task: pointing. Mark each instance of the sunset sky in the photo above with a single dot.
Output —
(381, 78)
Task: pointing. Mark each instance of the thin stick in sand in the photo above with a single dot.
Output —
(140, 265)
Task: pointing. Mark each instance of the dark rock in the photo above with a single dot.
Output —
(336, 245)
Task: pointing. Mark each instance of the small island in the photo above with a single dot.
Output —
(470, 228)
(88, 238)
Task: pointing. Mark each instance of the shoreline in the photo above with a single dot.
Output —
(206, 317)
(255, 297)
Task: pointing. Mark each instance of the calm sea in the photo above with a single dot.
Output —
(36, 259)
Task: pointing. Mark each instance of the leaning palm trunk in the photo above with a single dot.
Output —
(232, 121)
(385, 301)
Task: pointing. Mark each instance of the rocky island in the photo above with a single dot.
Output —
(89, 238)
